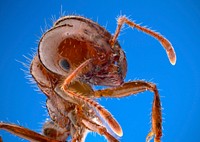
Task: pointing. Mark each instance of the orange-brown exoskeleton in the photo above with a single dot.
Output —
(73, 55)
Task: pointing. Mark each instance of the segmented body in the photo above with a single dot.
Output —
(78, 39)
(75, 54)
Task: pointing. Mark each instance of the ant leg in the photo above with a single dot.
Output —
(165, 43)
(1, 139)
(105, 114)
(93, 126)
(135, 87)
(25, 133)
(65, 93)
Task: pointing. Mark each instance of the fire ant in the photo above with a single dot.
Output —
(73, 55)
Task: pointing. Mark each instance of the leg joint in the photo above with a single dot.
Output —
(152, 87)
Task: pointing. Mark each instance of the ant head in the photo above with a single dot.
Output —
(73, 40)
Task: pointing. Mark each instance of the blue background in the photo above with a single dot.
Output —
(179, 85)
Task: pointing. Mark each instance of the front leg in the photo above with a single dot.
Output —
(105, 114)
(91, 125)
(135, 87)
(64, 92)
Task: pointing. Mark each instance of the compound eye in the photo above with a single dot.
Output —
(64, 64)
